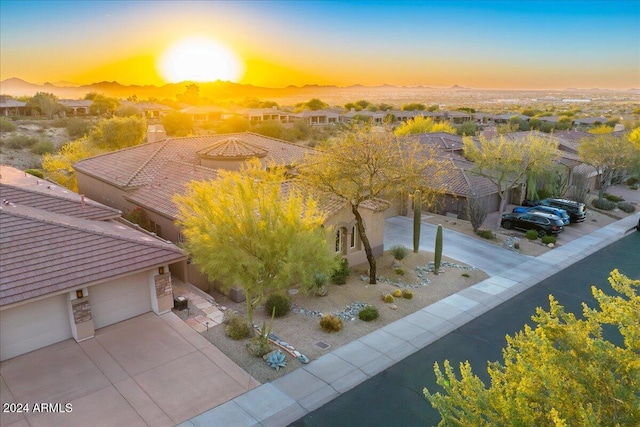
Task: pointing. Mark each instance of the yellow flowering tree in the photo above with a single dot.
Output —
(254, 229)
(421, 124)
(563, 372)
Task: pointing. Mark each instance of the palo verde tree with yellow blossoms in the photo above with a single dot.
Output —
(421, 124)
(563, 372)
(255, 229)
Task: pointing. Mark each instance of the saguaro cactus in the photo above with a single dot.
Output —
(438, 255)
(417, 216)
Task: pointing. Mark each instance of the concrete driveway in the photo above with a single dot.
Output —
(147, 371)
(490, 258)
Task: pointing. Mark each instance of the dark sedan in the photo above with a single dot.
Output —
(543, 223)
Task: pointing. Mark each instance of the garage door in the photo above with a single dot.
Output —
(117, 301)
(33, 326)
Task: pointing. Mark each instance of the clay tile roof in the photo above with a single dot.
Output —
(43, 253)
(56, 204)
(158, 194)
(233, 148)
(136, 166)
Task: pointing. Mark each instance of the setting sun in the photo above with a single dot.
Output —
(199, 59)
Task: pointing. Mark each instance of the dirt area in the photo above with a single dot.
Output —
(23, 158)
(303, 332)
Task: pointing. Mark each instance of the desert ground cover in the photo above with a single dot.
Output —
(303, 331)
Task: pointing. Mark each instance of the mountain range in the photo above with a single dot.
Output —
(224, 90)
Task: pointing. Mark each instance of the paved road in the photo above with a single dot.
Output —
(399, 231)
(394, 397)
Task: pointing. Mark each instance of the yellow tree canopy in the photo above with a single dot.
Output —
(562, 372)
(255, 229)
(421, 124)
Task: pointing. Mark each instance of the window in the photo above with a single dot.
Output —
(341, 240)
(354, 237)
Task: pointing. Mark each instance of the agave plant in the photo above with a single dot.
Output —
(276, 360)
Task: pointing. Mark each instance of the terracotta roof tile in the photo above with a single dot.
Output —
(136, 166)
(43, 252)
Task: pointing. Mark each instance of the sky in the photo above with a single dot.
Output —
(479, 44)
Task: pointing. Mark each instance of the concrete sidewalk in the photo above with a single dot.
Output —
(289, 398)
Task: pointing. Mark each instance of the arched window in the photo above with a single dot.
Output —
(341, 240)
(354, 242)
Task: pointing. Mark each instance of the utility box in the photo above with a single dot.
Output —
(180, 303)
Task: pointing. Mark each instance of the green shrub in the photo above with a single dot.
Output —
(549, 239)
(486, 234)
(6, 125)
(77, 127)
(35, 172)
(43, 147)
(531, 234)
(20, 141)
(407, 294)
(399, 252)
(368, 313)
(388, 298)
(258, 346)
(237, 328)
(633, 181)
(604, 204)
(60, 122)
(330, 323)
(397, 293)
(465, 275)
(281, 303)
(626, 207)
(339, 275)
(613, 198)
(399, 271)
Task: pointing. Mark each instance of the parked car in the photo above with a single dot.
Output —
(577, 211)
(564, 216)
(543, 223)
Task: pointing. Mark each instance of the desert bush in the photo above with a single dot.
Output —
(330, 323)
(368, 313)
(237, 328)
(77, 127)
(6, 125)
(399, 252)
(613, 197)
(465, 275)
(258, 346)
(531, 234)
(399, 271)
(20, 141)
(339, 275)
(626, 207)
(281, 304)
(397, 293)
(43, 147)
(486, 234)
(604, 204)
(35, 172)
(549, 239)
(633, 181)
(477, 211)
(388, 298)
(407, 294)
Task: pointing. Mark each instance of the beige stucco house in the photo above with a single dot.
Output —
(149, 175)
(70, 266)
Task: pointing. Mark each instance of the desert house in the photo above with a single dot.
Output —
(146, 177)
(71, 265)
